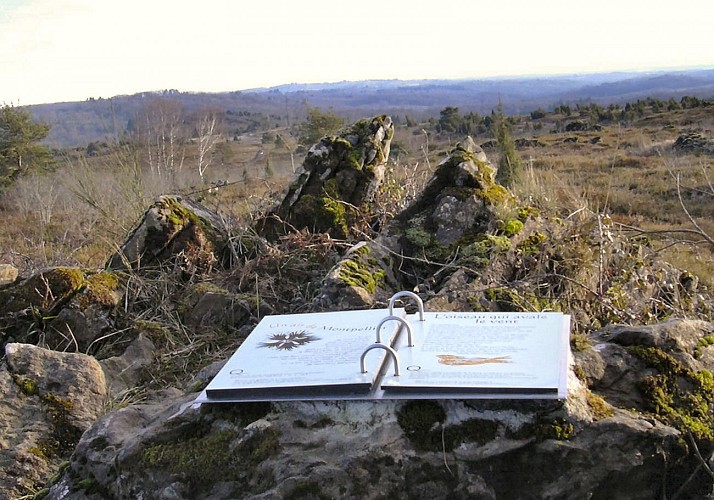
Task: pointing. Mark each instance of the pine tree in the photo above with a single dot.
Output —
(510, 167)
(20, 146)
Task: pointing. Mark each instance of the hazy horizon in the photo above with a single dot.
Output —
(72, 50)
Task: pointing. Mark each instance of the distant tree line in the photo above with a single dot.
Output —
(452, 122)
(614, 113)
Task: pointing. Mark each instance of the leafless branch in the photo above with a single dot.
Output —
(699, 230)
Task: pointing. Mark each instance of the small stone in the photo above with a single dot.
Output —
(8, 274)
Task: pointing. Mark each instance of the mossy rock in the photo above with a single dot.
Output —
(335, 191)
(600, 408)
(174, 228)
(322, 214)
(677, 395)
(208, 305)
(103, 289)
(424, 425)
(361, 279)
(44, 292)
(203, 456)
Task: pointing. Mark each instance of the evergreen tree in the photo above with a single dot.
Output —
(510, 167)
(450, 120)
(318, 124)
(20, 147)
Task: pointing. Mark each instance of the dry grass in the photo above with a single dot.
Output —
(630, 173)
(80, 213)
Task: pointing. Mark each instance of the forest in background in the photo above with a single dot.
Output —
(96, 119)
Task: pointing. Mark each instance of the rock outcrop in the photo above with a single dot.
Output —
(453, 221)
(340, 174)
(591, 445)
(693, 142)
(637, 424)
(62, 308)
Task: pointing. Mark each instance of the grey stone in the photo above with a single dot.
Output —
(48, 399)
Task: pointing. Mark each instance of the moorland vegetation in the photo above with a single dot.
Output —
(646, 164)
(594, 198)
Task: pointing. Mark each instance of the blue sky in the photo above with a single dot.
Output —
(66, 50)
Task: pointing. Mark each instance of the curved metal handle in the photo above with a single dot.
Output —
(402, 321)
(391, 351)
(411, 295)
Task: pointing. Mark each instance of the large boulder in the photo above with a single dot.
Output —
(580, 447)
(175, 231)
(48, 399)
(63, 308)
(340, 174)
(693, 142)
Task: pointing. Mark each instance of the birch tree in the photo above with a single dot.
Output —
(163, 131)
(206, 138)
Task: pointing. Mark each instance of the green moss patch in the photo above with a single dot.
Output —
(599, 407)
(495, 194)
(558, 429)
(579, 342)
(353, 273)
(487, 245)
(473, 430)
(27, 386)
(65, 433)
(45, 291)
(543, 429)
(533, 244)
(703, 343)
(214, 457)
(423, 424)
(678, 396)
(512, 227)
(102, 289)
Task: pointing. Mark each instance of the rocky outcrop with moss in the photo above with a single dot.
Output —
(63, 308)
(174, 229)
(637, 423)
(340, 176)
(581, 447)
(457, 221)
(695, 142)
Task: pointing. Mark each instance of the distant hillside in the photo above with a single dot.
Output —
(79, 123)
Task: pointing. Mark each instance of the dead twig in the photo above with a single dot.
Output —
(699, 230)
